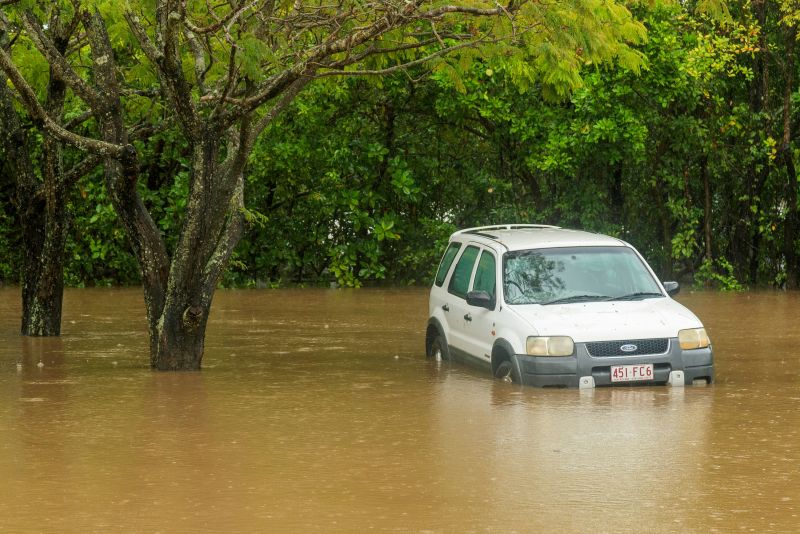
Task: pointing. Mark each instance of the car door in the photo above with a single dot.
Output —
(457, 314)
(480, 330)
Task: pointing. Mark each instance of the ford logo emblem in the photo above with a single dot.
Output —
(629, 347)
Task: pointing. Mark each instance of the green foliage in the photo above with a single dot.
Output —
(613, 123)
(97, 249)
(719, 273)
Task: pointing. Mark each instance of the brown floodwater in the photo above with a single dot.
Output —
(317, 411)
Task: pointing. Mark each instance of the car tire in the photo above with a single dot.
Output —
(438, 351)
(507, 372)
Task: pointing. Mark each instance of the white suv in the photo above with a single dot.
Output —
(546, 306)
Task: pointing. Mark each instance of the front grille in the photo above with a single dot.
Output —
(602, 349)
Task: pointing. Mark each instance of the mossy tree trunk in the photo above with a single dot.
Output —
(40, 203)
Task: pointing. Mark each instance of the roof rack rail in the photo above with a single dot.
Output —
(478, 229)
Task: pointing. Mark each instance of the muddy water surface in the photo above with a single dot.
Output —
(317, 411)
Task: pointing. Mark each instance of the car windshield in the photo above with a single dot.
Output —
(576, 274)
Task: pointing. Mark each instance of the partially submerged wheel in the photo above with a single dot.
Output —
(506, 372)
(438, 351)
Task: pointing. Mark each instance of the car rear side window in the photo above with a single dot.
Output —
(486, 275)
(459, 282)
(447, 261)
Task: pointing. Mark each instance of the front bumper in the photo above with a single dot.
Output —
(567, 371)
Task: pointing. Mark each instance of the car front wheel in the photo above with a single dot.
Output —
(507, 372)
(438, 351)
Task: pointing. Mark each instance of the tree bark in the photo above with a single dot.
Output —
(791, 222)
(41, 207)
(707, 212)
(746, 240)
(212, 227)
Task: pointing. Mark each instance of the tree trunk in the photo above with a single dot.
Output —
(706, 212)
(181, 339)
(41, 212)
(790, 225)
(212, 227)
(790, 228)
(41, 207)
(44, 232)
(178, 291)
(746, 241)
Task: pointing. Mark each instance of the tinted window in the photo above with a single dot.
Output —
(486, 275)
(459, 282)
(447, 261)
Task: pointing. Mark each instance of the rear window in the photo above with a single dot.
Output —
(447, 261)
(459, 282)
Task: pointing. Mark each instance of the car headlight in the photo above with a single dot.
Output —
(693, 338)
(550, 346)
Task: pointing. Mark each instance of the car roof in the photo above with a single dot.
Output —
(527, 236)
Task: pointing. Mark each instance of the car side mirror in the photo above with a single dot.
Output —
(673, 288)
(481, 299)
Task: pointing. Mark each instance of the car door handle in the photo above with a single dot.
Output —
(468, 317)
(445, 307)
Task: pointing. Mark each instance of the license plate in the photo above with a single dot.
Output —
(632, 373)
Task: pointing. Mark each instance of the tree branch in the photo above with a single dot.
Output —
(229, 18)
(200, 68)
(231, 233)
(80, 119)
(81, 169)
(41, 118)
(277, 83)
(395, 68)
(286, 99)
(59, 64)
(474, 11)
(172, 83)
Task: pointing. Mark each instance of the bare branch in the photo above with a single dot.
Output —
(41, 118)
(153, 54)
(105, 71)
(228, 82)
(169, 72)
(91, 161)
(474, 11)
(80, 170)
(277, 83)
(198, 52)
(79, 42)
(169, 24)
(401, 66)
(80, 119)
(58, 62)
(286, 99)
(373, 50)
(227, 20)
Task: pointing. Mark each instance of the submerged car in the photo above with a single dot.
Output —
(546, 306)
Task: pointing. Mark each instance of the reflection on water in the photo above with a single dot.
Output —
(318, 412)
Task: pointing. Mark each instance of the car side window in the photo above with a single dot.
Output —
(459, 282)
(447, 261)
(486, 275)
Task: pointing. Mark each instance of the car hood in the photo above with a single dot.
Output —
(609, 321)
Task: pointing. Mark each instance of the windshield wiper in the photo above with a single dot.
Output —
(637, 296)
(576, 298)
